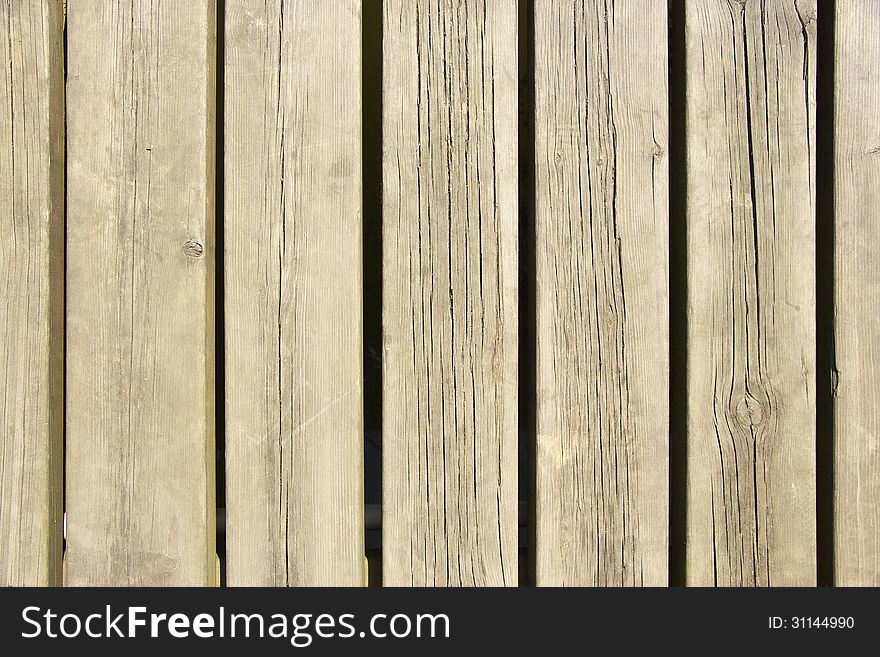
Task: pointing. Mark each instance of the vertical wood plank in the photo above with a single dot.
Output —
(450, 293)
(751, 307)
(140, 433)
(857, 294)
(602, 293)
(31, 290)
(293, 293)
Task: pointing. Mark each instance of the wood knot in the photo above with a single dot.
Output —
(193, 249)
(750, 412)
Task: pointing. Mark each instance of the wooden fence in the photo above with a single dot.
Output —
(613, 319)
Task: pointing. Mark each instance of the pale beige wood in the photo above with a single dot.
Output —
(31, 290)
(293, 293)
(602, 293)
(751, 507)
(140, 346)
(856, 377)
(450, 292)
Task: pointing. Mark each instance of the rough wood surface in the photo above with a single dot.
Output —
(450, 293)
(751, 507)
(140, 412)
(856, 379)
(602, 293)
(31, 291)
(293, 293)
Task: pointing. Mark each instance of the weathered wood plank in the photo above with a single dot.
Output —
(857, 294)
(751, 507)
(450, 293)
(293, 293)
(140, 413)
(31, 291)
(602, 293)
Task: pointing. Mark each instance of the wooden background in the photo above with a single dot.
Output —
(440, 292)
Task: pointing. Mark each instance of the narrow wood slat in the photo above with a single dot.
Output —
(293, 293)
(31, 291)
(602, 293)
(450, 292)
(751, 507)
(856, 377)
(140, 413)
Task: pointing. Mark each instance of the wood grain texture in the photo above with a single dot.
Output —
(293, 293)
(751, 507)
(450, 294)
(31, 291)
(856, 377)
(602, 292)
(140, 416)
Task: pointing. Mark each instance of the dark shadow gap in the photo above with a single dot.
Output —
(825, 295)
(527, 308)
(219, 290)
(61, 478)
(371, 96)
(678, 393)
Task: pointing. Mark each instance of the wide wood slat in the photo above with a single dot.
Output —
(856, 377)
(31, 291)
(450, 293)
(293, 293)
(602, 293)
(751, 495)
(140, 411)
